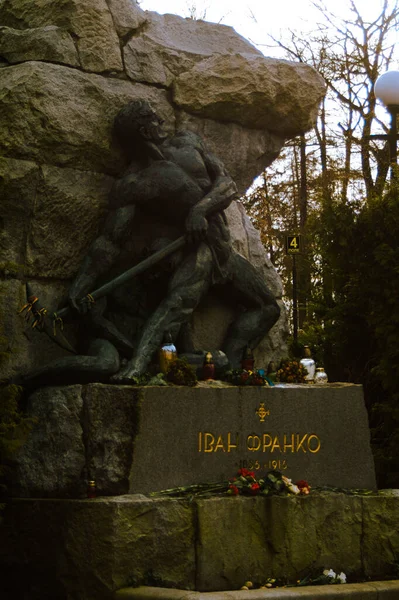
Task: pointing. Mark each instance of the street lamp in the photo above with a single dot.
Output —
(386, 89)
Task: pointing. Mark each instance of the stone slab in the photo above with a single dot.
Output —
(378, 590)
(140, 440)
(280, 537)
(88, 549)
(54, 455)
(380, 534)
(315, 433)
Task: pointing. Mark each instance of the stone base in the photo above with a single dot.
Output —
(88, 549)
(386, 590)
(138, 440)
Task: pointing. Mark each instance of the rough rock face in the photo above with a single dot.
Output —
(50, 44)
(90, 23)
(251, 91)
(176, 45)
(81, 433)
(56, 115)
(67, 67)
(88, 549)
(60, 474)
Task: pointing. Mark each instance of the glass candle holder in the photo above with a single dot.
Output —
(321, 376)
(309, 365)
(208, 369)
(91, 490)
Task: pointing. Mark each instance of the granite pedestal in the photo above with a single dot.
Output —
(138, 440)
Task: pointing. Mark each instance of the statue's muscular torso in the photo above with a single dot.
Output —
(171, 185)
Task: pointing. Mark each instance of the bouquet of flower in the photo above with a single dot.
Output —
(274, 482)
(291, 371)
(180, 372)
(243, 377)
(332, 577)
(244, 483)
(328, 577)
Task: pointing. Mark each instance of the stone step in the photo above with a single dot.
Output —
(89, 549)
(376, 590)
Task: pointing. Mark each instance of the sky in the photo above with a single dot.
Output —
(257, 19)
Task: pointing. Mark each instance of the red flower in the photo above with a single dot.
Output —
(303, 485)
(255, 487)
(246, 473)
(234, 489)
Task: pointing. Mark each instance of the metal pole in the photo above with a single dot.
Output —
(145, 264)
(294, 299)
(393, 136)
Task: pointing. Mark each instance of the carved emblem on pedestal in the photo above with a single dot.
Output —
(262, 412)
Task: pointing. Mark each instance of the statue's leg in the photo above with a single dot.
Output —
(261, 310)
(105, 329)
(101, 361)
(187, 286)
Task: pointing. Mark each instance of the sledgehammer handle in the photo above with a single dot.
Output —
(130, 273)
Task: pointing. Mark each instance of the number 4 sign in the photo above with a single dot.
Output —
(293, 244)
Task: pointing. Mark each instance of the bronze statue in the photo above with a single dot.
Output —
(178, 180)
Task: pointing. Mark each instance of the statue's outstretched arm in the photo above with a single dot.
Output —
(219, 197)
(223, 190)
(101, 255)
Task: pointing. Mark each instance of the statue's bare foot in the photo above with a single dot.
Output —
(126, 376)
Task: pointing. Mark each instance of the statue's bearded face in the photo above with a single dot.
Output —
(150, 127)
(138, 119)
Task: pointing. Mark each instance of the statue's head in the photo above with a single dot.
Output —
(138, 121)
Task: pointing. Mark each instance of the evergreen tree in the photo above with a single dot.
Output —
(334, 188)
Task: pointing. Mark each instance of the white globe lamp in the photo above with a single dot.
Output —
(386, 89)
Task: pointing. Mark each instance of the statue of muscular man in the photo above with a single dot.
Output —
(179, 180)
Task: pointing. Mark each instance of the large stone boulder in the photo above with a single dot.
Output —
(67, 67)
(252, 91)
(90, 23)
(50, 44)
(176, 45)
(56, 115)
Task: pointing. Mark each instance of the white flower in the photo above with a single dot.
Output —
(291, 487)
(342, 577)
(329, 573)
